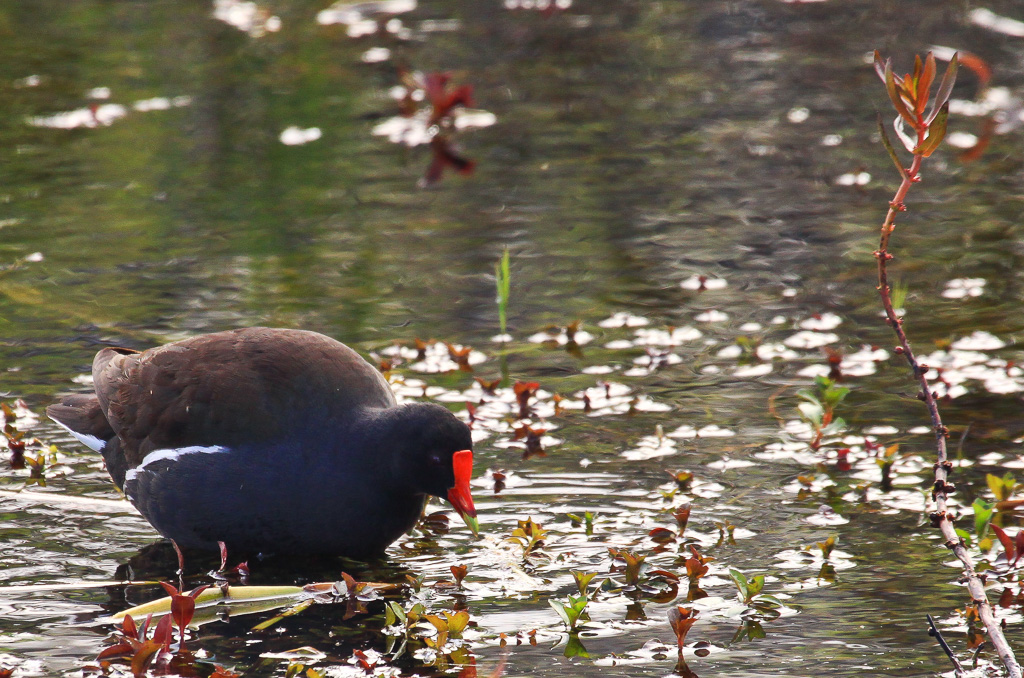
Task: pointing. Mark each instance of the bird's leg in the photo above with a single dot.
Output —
(181, 566)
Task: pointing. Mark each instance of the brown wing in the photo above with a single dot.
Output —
(232, 388)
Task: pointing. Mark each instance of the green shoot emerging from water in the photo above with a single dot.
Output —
(573, 613)
(750, 593)
(503, 280)
(818, 409)
(586, 520)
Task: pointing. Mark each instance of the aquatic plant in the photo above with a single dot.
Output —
(459, 574)
(818, 409)
(583, 580)
(983, 513)
(886, 459)
(524, 390)
(681, 619)
(827, 547)
(147, 647)
(572, 613)
(909, 96)
(750, 590)
(183, 607)
(586, 521)
(1013, 548)
(503, 282)
(134, 643)
(1002, 488)
(529, 535)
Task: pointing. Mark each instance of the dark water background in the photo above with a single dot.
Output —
(636, 144)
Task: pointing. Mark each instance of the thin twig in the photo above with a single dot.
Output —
(941, 490)
(935, 633)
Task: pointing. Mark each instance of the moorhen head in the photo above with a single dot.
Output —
(269, 441)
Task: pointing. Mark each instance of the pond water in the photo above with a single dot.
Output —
(698, 184)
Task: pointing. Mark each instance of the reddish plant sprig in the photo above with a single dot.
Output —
(909, 95)
(183, 607)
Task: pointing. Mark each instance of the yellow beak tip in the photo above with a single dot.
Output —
(473, 524)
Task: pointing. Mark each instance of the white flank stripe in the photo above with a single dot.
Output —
(171, 455)
(92, 442)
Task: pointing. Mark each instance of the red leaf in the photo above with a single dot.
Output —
(681, 619)
(144, 627)
(170, 588)
(1019, 543)
(128, 627)
(895, 97)
(182, 609)
(162, 632)
(924, 83)
(145, 656)
(879, 66)
(664, 574)
(1008, 547)
(199, 589)
(661, 535)
(118, 650)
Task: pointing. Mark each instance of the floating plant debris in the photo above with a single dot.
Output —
(104, 115)
(986, 18)
(958, 288)
(365, 18)
(703, 282)
(296, 136)
(246, 16)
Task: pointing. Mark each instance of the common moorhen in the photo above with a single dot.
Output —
(269, 441)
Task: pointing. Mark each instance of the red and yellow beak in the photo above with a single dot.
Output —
(459, 496)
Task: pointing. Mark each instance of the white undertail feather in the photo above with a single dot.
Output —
(92, 442)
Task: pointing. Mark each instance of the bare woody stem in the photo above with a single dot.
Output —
(941, 490)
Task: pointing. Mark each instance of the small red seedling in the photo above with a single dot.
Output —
(681, 619)
(634, 565)
(488, 387)
(183, 607)
(696, 567)
(834, 357)
(525, 390)
(682, 516)
(444, 99)
(460, 356)
(133, 643)
(843, 459)
(532, 437)
(459, 573)
(421, 349)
